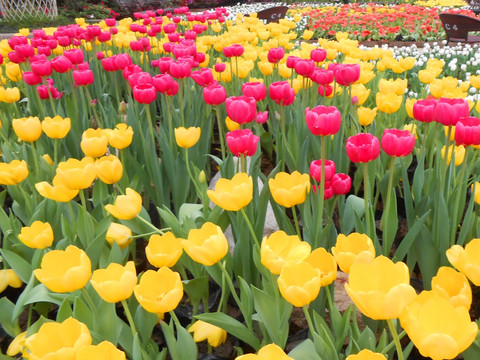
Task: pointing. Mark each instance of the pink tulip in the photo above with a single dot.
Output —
(397, 142)
(362, 148)
(282, 93)
(242, 142)
(323, 120)
(241, 109)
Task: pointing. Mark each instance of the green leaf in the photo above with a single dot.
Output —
(232, 326)
(8, 324)
(246, 297)
(108, 324)
(137, 350)
(407, 242)
(64, 311)
(353, 205)
(196, 289)
(185, 345)
(22, 267)
(145, 322)
(305, 351)
(274, 314)
(85, 226)
(170, 339)
(82, 313)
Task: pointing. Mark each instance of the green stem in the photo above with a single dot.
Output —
(367, 200)
(129, 318)
(89, 300)
(187, 162)
(55, 152)
(151, 226)
(250, 227)
(393, 330)
(295, 219)
(35, 161)
(309, 320)
(150, 126)
(387, 246)
(81, 193)
(220, 131)
(180, 99)
(232, 289)
(97, 118)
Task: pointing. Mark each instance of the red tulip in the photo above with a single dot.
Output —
(164, 64)
(25, 50)
(64, 41)
(341, 183)
(180, 69)
(304, 67)
(275, 54)
(322, 76)
(291, 61)
(17, 40)
(110, 22)
(424, 110)
(169, 28)
(62, 64)
(139, 78)
(282, 93)
(323, 120)
(44, 50)
(449, 111)
(203, 77)
(130, 70)
(15, 57)
(41, 68)
(234, 50)
(122, 61)
(241, 109)
(242, 142)
(257, 90)
(326, 90)
(316, 170)
(347, 74)
(75, 55)
(328, 190)
(261, 117)
(220, 67)
(45, 93)
(144, 94)
(362, 148)
(467, 131)
(318, 55)
(82, 77)
(214, 94)
(31, 79)
(397, 142)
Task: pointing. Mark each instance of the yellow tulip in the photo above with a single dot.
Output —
(459, 152)
(204, 331)
(159, 291)
(9, 95)
(17, 346)
(120, 234)
(47, 159)
(396, 86)
(388, 103)
(279, 248)
(366, 115)
(109, 169)
(299, 283)
(467, 260)
(8, 277)
(366, 354)
(476, 192)
(13, 71)
(76, 174)
(452, 132)
(120, 137)
(56, 127)
(380, 289)
(234, 194)
(231, 125)
(351, 249)
(289, 189)
(13, 172)
(186, 138)
(438, 329)
(268, 352)
(163, 250)
(206, 245)
(409, 107)
(475, 81)
(127, 206)
(361, 92)
(323, 261)
(453, 286)
(104, 350)
(57, 192)
(58, 340)
(116, 282)
(407, 63)
(27, 128)
(284, 71)
(426, 76)
(265, 67)
(39, 235)
(64, 270)
(94, 142)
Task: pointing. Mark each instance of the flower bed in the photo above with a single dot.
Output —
(114, 234)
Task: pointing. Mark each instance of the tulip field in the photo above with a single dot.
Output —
(204, 185)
